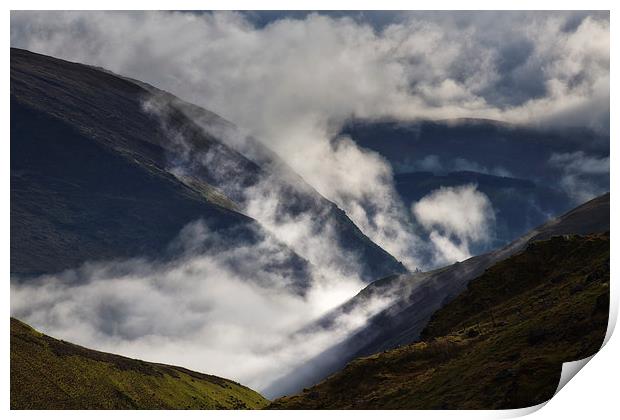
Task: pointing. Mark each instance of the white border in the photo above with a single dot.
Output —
(311, 5)
(592, 394)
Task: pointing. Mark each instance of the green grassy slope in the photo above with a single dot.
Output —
(47, 373)
(500, 344)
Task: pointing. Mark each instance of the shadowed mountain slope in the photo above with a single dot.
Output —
(500, 344)
(47, 373)
(478, 145)
(103, 167)
(529, 174)
(415, 297)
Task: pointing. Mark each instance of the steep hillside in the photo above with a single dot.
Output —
(499, 344)
(104, 167)
(415, 297)
(47, 373)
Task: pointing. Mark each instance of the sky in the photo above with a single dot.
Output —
(292, 79)
(536, 67)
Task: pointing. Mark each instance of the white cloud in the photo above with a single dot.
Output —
(368, 196)
(580, 162)
(455, 218)
(448, 250)
(198, 311)
(432, 163)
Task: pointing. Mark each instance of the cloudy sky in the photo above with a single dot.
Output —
(292, 79)
(550, 68)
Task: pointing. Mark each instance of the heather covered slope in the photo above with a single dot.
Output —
(104, 167)
(499, 344)
(47, 373)
(415, 297)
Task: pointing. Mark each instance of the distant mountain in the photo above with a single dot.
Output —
(500, 344)
(415, 297)
(529, 174)
(104, 167)
(477, 145)
(47, 373)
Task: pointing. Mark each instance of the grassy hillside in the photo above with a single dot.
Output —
(47, 373)
(499, 344)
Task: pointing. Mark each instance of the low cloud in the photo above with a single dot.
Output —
(231, 309)
(198, 311)
(455, 218)
(579, 171)
(367, 196)
(433, 163)
(361, 182)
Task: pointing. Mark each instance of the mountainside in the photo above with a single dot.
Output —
(47, 373)
(104, 167)
(415, 297)
(500, 344)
